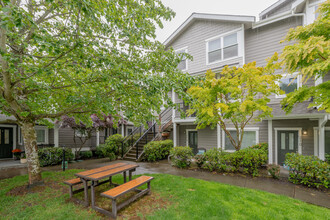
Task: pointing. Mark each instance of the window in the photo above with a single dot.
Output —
(114, 131)
(81, 133)
(183, 65)
(129, 130)
(222, 48)
(288, 83)
(42, 134)
(250, 138)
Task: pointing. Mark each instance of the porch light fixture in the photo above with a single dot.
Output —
(304, 132)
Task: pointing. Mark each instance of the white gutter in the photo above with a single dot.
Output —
(276, 18)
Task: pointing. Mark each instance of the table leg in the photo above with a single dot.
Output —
(124, 176)
(85, 191)
(93, 193)
(110, 180)
(130, 175)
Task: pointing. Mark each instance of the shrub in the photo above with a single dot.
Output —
(112, 147)
(214, 160)
(99, 151)
(261, 146)
(274, 170)
(157, 150)
(327, 158)
(181, 156)
(308, 170)
(250, 159)
(53, 155)
(86, 154)
(200, 160)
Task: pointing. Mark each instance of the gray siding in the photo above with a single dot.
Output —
(261, 43)
(66, 138)
(286, 6)
(194, 38)
(207, 138)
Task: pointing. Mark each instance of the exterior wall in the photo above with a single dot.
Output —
(194, 38)
(66, 138)
(305, 124)
(207, 138)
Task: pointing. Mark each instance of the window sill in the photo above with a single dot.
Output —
(222, 61)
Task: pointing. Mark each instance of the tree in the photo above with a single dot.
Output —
(78, 57)
(236, 95)
(83, 133)
(310, 57)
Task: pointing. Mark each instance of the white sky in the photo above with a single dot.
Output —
(184, 8)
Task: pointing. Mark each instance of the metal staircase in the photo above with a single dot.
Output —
(140, 136)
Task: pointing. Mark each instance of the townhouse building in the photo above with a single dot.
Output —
(215, 41)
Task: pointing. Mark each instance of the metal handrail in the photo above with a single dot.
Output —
(130, 137)
(145, 134)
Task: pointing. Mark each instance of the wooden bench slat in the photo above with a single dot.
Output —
(93, 171)
(119, 190)
(73, 181)
(111, 172)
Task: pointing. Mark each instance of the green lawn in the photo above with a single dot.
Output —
(173, 197)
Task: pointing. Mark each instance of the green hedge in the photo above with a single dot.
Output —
(54, 155)
(157, 150)
(181, 156)
(214, 159)
(112, 147)
(308, 170)
(86, 154)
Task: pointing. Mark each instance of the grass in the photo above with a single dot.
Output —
(173, 197)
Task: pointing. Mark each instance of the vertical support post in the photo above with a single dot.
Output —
(110, 180)
(63, 162)
(270, 141)
(122, 150)
(114, 208)
(149, 191)
(97, 138)
(218, 136)
(124, 174)
(123, 130)
(321, 139)
(130, 175)
(71, 191)
(56, 135)
(174, 135)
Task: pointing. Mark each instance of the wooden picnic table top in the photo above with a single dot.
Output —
(100, 169)
(108, 172)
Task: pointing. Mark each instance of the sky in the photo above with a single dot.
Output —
(184, 8)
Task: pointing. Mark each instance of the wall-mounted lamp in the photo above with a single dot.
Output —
(304, 132)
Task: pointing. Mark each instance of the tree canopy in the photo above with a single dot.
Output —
(310, 56)
(236, 95)
(77, 57)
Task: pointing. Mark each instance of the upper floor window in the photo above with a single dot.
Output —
(222, 48)
(183, 65)
(288, 83)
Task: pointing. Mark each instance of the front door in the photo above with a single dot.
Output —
(287, 143)
(192, 141)
(6, 142)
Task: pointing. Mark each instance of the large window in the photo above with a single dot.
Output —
(288, 83)
(183, 65)
(222, 48)
(42, 135)
(250, 138)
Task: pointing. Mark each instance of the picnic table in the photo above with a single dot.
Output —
(95, 175)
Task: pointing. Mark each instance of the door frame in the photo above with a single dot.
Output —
(288, 129)
(14, 127)
(187, 136)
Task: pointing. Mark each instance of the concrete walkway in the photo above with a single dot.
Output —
(312, 196)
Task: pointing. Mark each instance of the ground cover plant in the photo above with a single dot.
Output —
(172, 197)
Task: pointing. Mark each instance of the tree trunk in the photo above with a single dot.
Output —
(31, 150)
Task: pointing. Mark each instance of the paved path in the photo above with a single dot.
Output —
(312, 196)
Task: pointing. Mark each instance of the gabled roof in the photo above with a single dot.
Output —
(200, 16)
(270, 8)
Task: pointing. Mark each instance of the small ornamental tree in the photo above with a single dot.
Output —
(237, 96)
(83, 133)
(79, 57)
(310, 57)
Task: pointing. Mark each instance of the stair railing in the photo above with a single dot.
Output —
(165, 117)
(129, 139)
(145, 134)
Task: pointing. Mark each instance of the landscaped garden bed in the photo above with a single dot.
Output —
(172, 197)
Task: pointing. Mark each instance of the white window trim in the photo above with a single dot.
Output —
(240, 43)
(288, 129)
(186, 51)
(19, 137)
(187, 135)
(286, 76)
(46, 133)
(256, 129)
